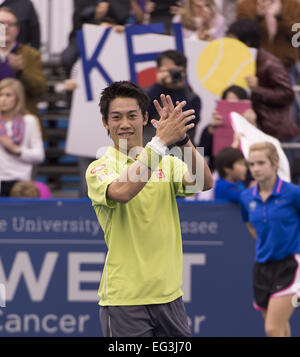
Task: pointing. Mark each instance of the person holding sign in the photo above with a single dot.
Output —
(213, 138)
(133, 191)
(271, 210)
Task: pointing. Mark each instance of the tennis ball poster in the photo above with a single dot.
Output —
(224, 62)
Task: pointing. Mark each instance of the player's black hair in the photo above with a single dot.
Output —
(226, 159)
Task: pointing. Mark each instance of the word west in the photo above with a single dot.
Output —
(39, 279)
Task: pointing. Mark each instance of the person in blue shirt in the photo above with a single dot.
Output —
(271, 210)
(232, 169)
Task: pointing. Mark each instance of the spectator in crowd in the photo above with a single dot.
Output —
(116, 12)
(30, 189)
(232, 93)
(275, 18)
(158, 11)
(21, 61)
(119, 10)
(28, 20)
(229, 11)
(25, 189)
(21, 143)
(171, 80)
(272, 93)
(201, 19)
(232, 170)
(84, 12)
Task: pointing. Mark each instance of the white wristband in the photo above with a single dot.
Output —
(157, 145)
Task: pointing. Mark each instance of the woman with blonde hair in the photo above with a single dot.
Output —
(271, 210)
(21, 143)
(200, 19)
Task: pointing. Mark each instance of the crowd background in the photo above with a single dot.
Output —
(46, 37)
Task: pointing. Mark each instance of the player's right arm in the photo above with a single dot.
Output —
(130, 183)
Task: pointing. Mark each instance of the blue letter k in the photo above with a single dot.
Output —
(89, 64)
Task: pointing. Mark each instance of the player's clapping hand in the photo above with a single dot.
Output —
(172, 125)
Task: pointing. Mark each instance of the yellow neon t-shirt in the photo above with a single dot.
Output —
(144, 259)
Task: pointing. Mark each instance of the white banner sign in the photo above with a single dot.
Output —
(107, 56)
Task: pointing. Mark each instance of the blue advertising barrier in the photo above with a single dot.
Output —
(52, 254)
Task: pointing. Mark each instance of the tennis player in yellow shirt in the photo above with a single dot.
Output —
(133, 191)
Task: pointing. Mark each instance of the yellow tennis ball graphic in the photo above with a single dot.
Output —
(224, 62)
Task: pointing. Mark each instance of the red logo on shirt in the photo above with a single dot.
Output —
(98, 168)
(159, 173)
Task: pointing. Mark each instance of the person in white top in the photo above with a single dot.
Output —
(200, 19)
(21, 143)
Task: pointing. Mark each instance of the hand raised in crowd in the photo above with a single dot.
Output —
(177, 9)
(215, 121)
(207, 16)
(16, 62)
(274, 8)
(172, 125)
(70, 85)
(203, 31)
(163, 76)
(250, 115)
(236, 140)
(252, 82)
(149, 7)
(204, 35)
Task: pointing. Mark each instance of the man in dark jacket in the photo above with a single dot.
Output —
(272, 93)
(171, 80)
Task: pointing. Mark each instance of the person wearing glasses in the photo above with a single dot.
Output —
(20, 61)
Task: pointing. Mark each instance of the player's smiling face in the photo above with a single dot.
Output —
(125, 122)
